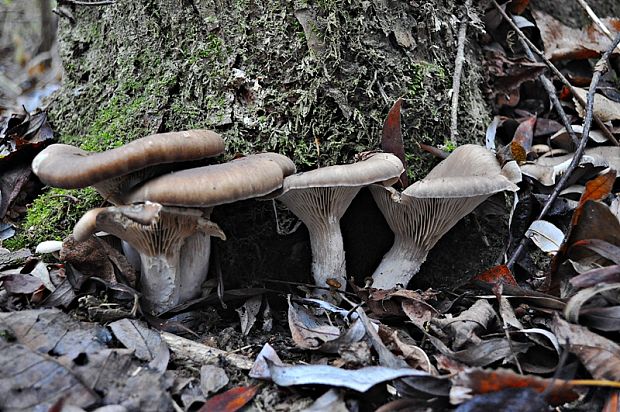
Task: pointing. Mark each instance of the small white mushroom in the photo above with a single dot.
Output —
(426, 210)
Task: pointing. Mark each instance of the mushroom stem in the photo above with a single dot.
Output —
(399, 264)
(328, 261)
(175, 277)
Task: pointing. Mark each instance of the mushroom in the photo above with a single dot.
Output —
(320, 197)
(172, 234)
(426, 210)
(173, 244)
(115, 171)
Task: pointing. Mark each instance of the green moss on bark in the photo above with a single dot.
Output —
(312, 80)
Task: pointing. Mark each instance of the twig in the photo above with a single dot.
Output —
(600, 67)
(199, 354)
(87, 3)
(557, 72)
(458, 69)
(596, 20)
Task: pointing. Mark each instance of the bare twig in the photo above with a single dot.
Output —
(199, 354)
(458, 69)
(600, 68)
(557, 72)
(87, 3)
(596, 20)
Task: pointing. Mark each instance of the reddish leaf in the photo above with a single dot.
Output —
(596, 189)
(525, 133)
(487, 381)
(518, 6)
(434, 151)
(230, 401)
(392, 138)
(613, 402)
(605, 249)
(497, 275)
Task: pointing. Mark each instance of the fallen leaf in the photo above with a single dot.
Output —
(500, 274)
(147, 343)
(600, 356)
(230, 401)
(605, 109)
(506, 400)
(307, 330)
(605, 249)
(248, 312)
(359, 380)
(565, 43)
(562, 139)
(330, 401)
(481, 381)
(574, 304)
(260, 368)
(20, 284)
(464, 327)
(608, 274)
(212, 379)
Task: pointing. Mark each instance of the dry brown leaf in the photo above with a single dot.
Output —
(308, 331)
(599, 355)
(606, 110)
(464, 327)
(566, 43)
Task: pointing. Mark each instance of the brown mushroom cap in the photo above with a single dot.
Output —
(378, 167)
(69, 167)
(244, 178)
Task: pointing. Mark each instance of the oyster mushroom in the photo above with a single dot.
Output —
(426, 210)
(320, 197)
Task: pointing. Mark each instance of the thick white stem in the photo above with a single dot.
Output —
(176, 277)
(399, 264)
(328, 261)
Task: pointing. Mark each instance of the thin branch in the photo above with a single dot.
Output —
(458, 69)
(600, 67)
(557, 72)
(87, 3)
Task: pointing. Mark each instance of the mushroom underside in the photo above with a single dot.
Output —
(418, 224)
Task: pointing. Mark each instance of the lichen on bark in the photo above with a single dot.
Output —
(312, 80)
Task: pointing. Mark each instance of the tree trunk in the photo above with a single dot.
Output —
(312, 80)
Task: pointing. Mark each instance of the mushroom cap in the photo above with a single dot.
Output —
(70, 167)
(150, 227)
(244, 178)
(469, 171)
(378, 167)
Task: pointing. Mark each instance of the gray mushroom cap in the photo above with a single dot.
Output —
(244, 178)
(378, 167)
(69, 167)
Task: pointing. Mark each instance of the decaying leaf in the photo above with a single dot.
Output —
(248, 312)
(480, 381)
(392, 139)
(464, 327)
(307, 330)
(605, 109)
(147, 343)
(565, 43)
(359, 380)
(599, 355)
(212, 379)
(332, 401)
(230, 401)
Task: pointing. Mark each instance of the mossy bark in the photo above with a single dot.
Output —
(312, 80)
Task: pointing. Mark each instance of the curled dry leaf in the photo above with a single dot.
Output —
(307, 330)
(599, 355)
(545, 235)
(480, 381)
(465, 326)
(607, 110)
(574, 304)
(212, 379)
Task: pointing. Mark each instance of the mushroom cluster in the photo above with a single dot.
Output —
(162, 208)
(163, 217)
